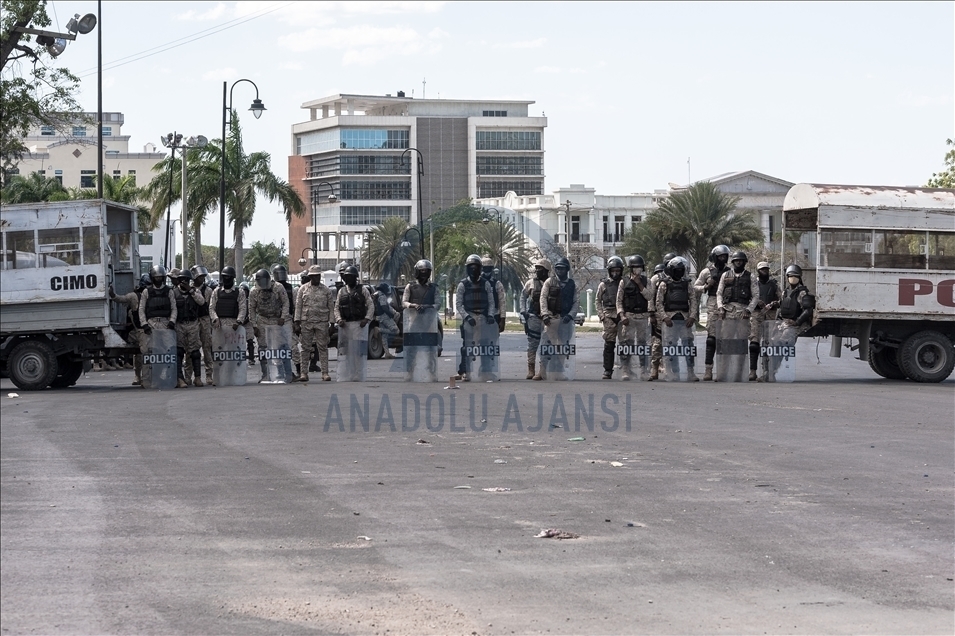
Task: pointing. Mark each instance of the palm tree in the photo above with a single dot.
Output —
(124, 190)
(693, 220)
(487, 237)
(264, 256)
(33, 189)
(385, 258)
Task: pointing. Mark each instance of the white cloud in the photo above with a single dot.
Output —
(522, 44)
(437, 33)
(363, 44)
(547, 69)
(219, 74)
(214, 13)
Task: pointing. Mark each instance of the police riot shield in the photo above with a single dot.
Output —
(732, 350)
(557, 354)
(777, 352)
(159, 362)
(679, 352)
(633, 348)
(352, 352)
(480, 355)
(421, 344)
(277, 353)
(228, 356)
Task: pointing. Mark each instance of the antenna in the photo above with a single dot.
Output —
(424, 84)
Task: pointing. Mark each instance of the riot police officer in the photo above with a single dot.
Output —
(280, 275)
(268, 305)
(228, 305)
(607, 311)
(354, 302)
(797, 305)
(314, 307)
(385, 314)
(708, 282)
(558, 300)
(136, 334)
(531, 312)
(676, 300)
(635, 304)
(200, 280)
(765, 310)
(500, 296)
(474, 301)
(656, 349)
(188, 301)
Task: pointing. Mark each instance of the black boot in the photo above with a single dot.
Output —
(710, 350)
(196, 357)
(608, 359)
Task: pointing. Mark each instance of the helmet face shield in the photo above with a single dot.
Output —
(262, 279)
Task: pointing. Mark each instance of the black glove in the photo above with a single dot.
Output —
(489, 319)
(235, 326)
(470, 320)
(546, 320)
(147, 329)
(297, 328)
(171, 325)
(526, 315)
(281, 322)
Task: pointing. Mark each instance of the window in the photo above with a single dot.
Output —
(496, 189)
(58, 175)
(575, 228)
(510, 165)
(145, 264)
(941, 250)
(900, 249)
(79, 131)
(494, 113)
(21, 250)
(92, 254)
(47, 131)
(508, 140)
(364, 138)
(619, 227)
(115, 153)
(846, 248)
(373, 214)
(108, 132)
(146, 238)
(394, 190)
(132, 173)
(120, 245)
(87, 178)
(118, 174)
(59, 247)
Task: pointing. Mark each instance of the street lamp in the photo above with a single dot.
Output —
(302, 262)
(420, 196)
(174, 141)
(257, 107)
(500, 219)
(405, 243)
(316, 201)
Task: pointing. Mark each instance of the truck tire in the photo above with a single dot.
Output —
(376, 348)
(927, 356)
(68, 372)
(886, 363)
(32, 365)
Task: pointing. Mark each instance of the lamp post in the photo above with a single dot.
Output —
(332, 198)
(257, 107)
(420, 195)
(500, 219)
(302, 262)
(175, 141)
(406, 243)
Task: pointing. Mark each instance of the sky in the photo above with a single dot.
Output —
(637, 95)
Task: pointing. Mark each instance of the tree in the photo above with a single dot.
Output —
(945, 178)
(264, 256)
(586, 262)
(691, 222)
(31, 94)
(384, 258)
(486, 238)
(124, 190)
(33, 189)
(644, 238)
(246, 178)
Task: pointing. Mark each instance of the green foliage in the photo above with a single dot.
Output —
(384, 258)
(32, 92)
(691, 222)
(33, 189)
(264, 256)
(945, 178)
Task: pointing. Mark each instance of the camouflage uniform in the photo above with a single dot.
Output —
(187, 331)
(663, 315)
(531, 308)
(609, 315)
(136, 335)
(268, 307)
(205, 332)
(736, 310)
(386, 320)
(656, 350)
(156, 323)
(627, 335)
(314, 307)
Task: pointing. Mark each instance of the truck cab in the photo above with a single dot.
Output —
(880, 261)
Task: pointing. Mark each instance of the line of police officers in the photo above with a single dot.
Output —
(627, 308)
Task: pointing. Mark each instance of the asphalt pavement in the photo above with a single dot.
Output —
(824, 506)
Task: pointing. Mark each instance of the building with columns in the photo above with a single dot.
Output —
(355, 163)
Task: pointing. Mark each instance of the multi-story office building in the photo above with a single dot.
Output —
(71, 160)
(355, 164)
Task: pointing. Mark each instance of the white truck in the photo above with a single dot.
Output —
(881, 263)
(59, 260)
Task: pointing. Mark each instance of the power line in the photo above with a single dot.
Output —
(135, 57)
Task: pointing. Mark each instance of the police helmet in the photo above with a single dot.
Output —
(676, 268)
(157, 271)
(342, 266)
(199, 270)
(262, 278)
(636, 261)
(667, 257)
(658, 268)
(423, 265)
(719, 250)
(794, 270)
(487, 262)
(280, 273)
(213, 283)
(229, 271)
(739, 256)
(184, 274)
(383, 287)
(145, 281)
(351, 270)
(562, 263)
(245, 286)
(174, 273)
(473, 259)
(544, 264)
(614, 262)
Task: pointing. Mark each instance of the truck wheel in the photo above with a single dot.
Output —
(376, 348)
(32, 365)
(927, 356)
(68, 372)
(886, 363)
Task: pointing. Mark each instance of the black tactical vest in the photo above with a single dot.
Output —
(768, 291)
(204, 309)
(677, 296)
(291, 297)
(227, 303)
(790, 308)
(157, 303)
(536, 296)
(134, 316)
(475, 296)
(422, 294)
(609, 298)
(560, 296)
(187, 306)
(351, 303)
(738, 289)
(633, 300)
(715, 274)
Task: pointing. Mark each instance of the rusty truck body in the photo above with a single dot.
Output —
(881, 263)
